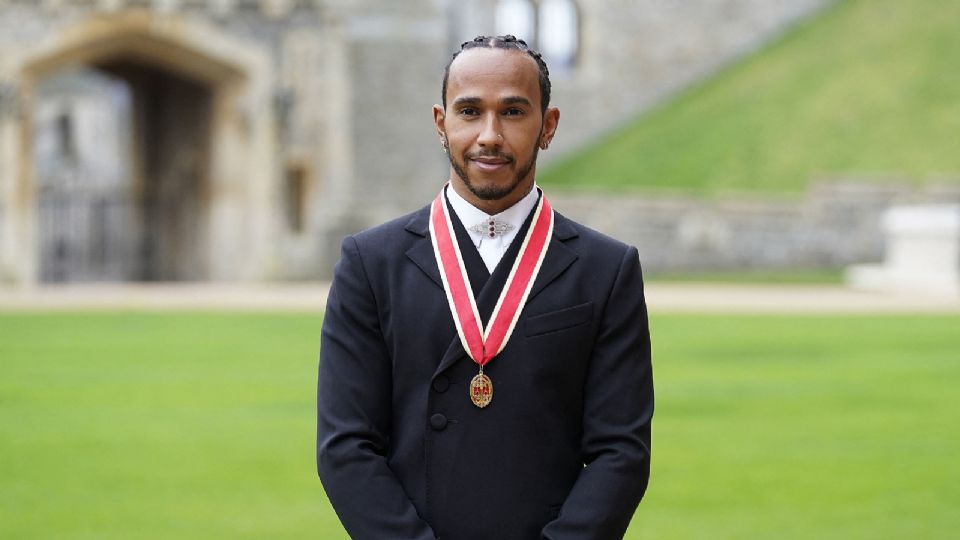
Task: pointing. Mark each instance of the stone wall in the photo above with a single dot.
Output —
(833, 225)
(336, 94)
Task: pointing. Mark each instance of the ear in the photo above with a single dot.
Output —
(439, 119)
(551, 118)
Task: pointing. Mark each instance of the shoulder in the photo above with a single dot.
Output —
(393, 234)
(372, 253)
(589, 242)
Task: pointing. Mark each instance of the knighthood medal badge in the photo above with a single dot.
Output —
(481, 389)
(483, 344)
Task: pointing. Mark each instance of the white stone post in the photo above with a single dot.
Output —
(922, 252)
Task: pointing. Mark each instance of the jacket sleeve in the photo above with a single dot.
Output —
(618, 409)
(354, 411)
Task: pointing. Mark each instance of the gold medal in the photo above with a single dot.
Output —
(481, 390)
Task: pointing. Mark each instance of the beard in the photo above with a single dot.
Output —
(493, 192)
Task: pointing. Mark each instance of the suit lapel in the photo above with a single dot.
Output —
(422, 252)
(559, 256)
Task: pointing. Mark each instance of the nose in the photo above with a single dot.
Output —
(489, 136)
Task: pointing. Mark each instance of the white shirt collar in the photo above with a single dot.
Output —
(471, 215)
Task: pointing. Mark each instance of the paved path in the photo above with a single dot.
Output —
(168, 296)
(661, 298)
(721, 298)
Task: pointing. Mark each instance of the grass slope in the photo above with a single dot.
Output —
(869, 87)
(201, 426)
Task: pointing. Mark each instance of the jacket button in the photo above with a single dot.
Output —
(438, 422)
(441, 383)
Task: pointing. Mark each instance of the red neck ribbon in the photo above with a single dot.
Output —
(484, 344)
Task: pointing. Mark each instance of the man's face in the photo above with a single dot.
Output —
(493, 125)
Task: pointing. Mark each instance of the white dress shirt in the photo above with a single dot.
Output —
(492, 249)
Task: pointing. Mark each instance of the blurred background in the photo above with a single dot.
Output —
(176, 177)
(231, 140)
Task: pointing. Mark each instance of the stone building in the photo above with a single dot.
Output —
(241, 139)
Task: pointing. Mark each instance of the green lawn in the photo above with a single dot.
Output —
(868, 87)
(131, 425)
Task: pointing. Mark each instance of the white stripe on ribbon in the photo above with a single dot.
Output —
(479, 343)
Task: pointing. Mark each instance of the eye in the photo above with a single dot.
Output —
(469, 111)
(513, 111)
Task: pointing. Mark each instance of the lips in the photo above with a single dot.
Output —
(490, 164)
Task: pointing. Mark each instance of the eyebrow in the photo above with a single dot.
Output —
(509, 100)
(467, 101)
(516, 100)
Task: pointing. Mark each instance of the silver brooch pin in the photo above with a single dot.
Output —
(492, 228)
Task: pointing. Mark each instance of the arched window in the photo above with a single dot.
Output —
(517, 17)
(558, 30)
(550, 26)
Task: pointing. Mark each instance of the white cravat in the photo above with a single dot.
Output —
(492, 249)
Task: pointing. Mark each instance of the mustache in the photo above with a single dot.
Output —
(490, 154)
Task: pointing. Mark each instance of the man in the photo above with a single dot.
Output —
(485, 362)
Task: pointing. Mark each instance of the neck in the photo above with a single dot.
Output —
(491, 206)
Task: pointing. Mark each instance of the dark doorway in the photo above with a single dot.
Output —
(122, 152)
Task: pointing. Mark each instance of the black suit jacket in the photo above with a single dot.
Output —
(562, 452)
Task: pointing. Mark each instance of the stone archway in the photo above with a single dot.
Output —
(200, 158)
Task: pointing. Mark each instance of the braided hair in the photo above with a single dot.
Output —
(506, 42)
